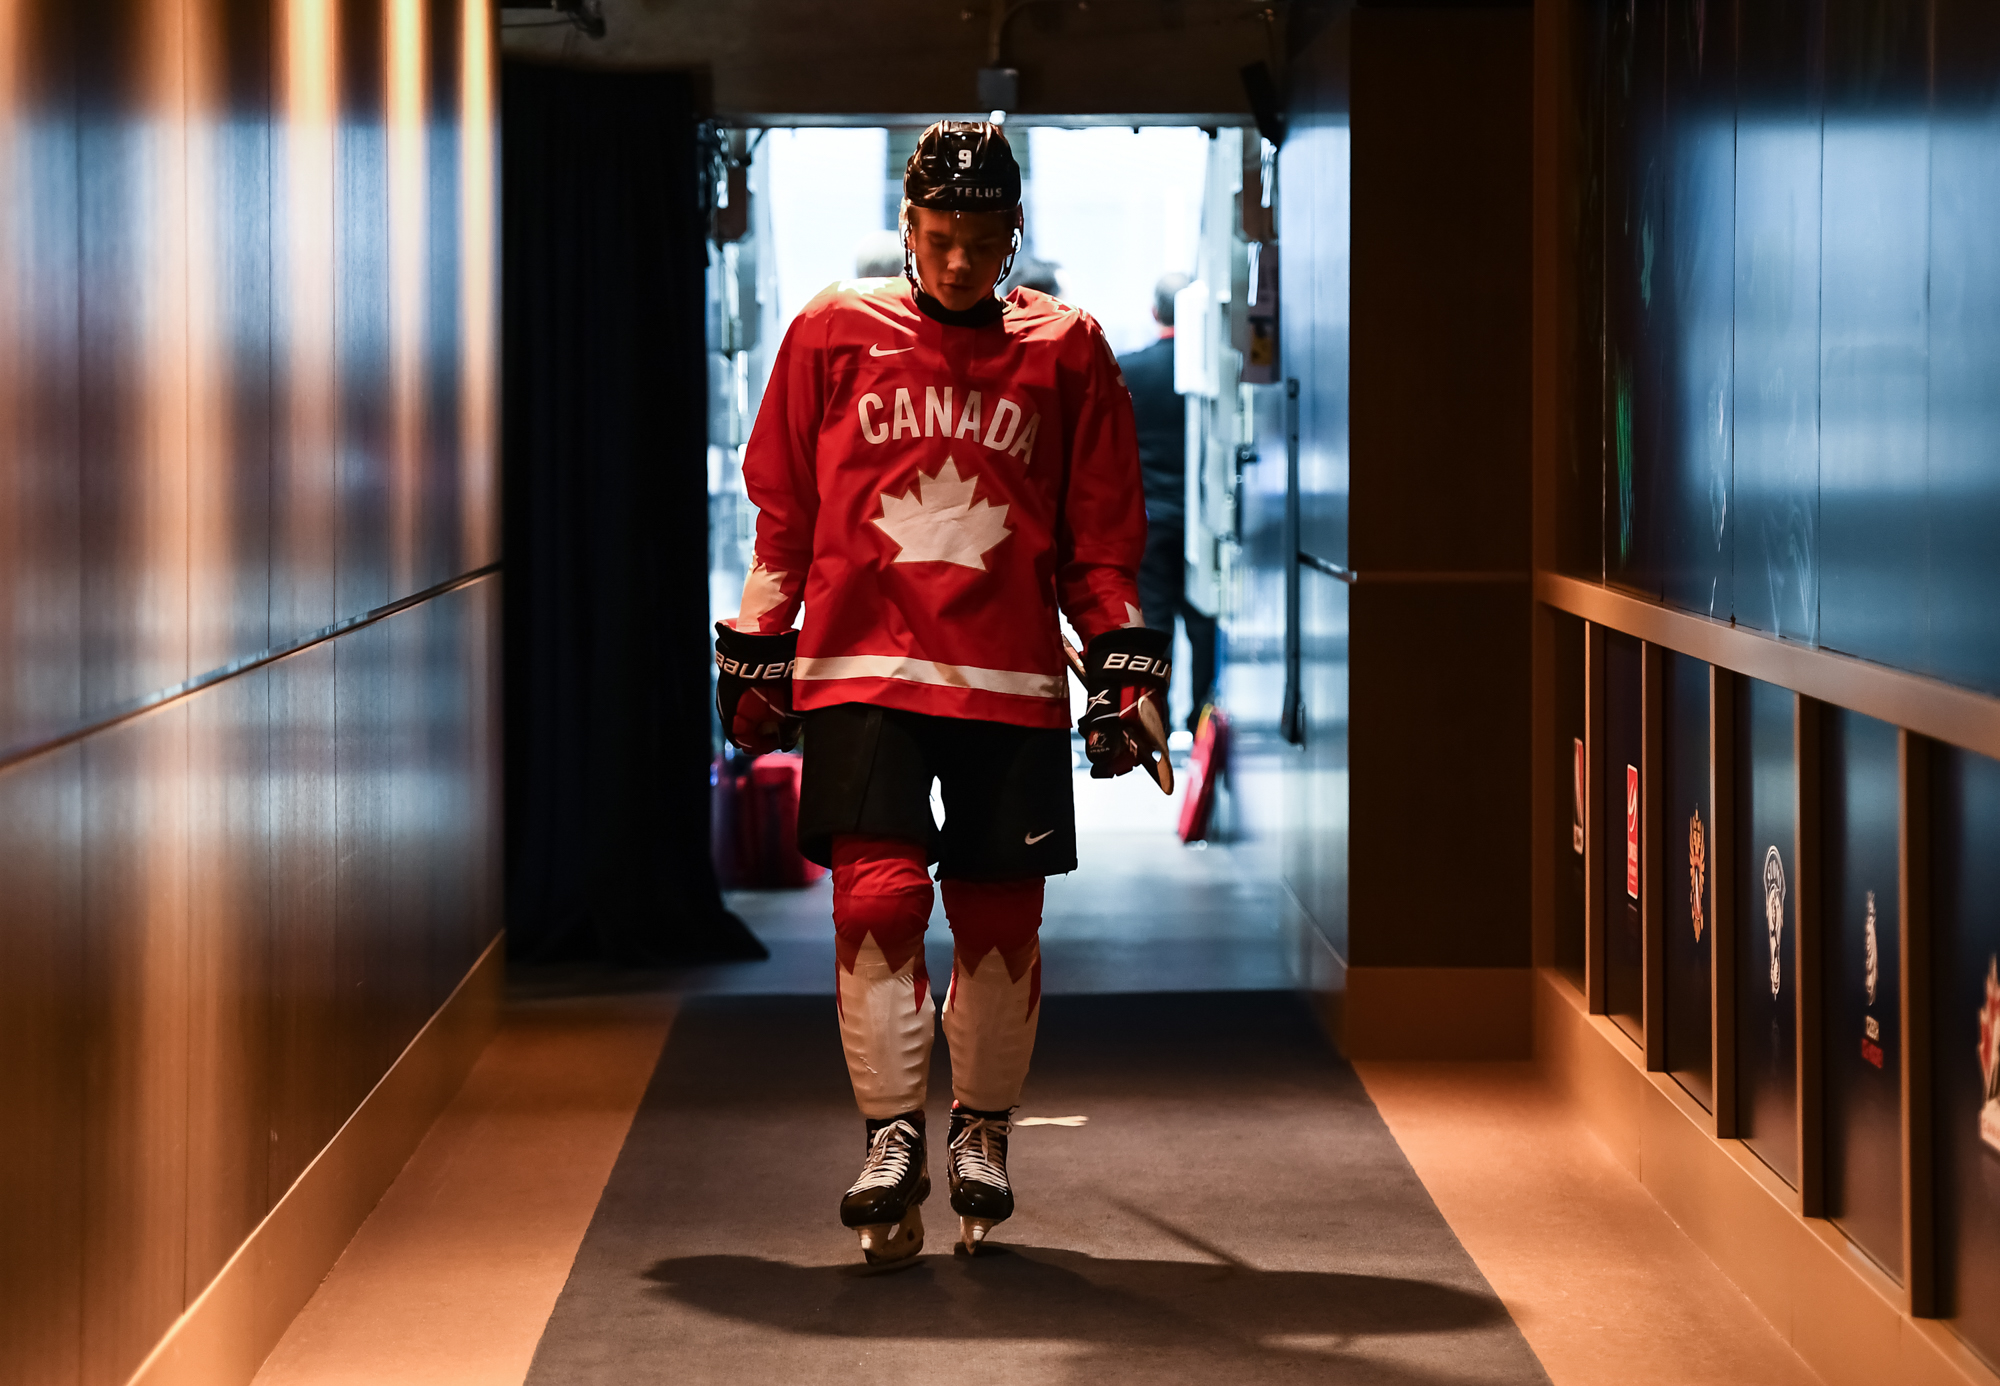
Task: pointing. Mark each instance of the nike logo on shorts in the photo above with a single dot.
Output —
(876, 350)
(1033, 838)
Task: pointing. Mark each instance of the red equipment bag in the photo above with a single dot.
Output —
(755, 824)
(1207, 764)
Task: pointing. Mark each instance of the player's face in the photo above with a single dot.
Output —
(959, 254)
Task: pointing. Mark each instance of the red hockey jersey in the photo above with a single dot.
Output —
(932, 493)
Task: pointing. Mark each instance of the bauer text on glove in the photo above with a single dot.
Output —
(753, 689)
(1125, 674)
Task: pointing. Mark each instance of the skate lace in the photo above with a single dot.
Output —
(979, 1150)
(888, 1157)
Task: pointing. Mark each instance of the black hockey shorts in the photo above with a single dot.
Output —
(1009, 809)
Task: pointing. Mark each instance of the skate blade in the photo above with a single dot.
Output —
(886, 1242)
(972, 1233)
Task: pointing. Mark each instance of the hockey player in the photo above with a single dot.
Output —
(937, 470)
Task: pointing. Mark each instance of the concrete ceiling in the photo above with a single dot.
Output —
(903, 60)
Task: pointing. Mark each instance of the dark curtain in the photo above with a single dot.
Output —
(605, 436)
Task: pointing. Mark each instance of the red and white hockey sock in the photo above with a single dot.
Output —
(996, 988)
(881, 907)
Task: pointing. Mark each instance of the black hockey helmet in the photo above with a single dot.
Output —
(963, 166)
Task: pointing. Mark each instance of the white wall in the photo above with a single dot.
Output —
(1116, 209)
(826, 194)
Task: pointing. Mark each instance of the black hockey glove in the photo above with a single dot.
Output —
(1125, 673)
(753, 691)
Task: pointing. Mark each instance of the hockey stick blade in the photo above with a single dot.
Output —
(1162, 769)
(1075, 660)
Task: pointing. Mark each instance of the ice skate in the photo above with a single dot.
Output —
(980, 1193)
(883, 1206)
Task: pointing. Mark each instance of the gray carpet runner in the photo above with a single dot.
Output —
(1234, 1210)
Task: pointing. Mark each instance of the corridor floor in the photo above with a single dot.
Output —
(1233, 1210)
(636, 1183)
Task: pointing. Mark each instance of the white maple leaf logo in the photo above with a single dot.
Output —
(940, 522)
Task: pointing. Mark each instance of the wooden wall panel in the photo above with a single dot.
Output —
(439, 530)
(1436, 533)
(244, 853)
(39, 492)
(305, 1110)
(135, 1006)
(230, 416)
(1440, 320)
(477, 846)
(479, 288)
(229, 962)
(411, 827)
(41, 1084)
(305, 383)
(462, 724)
(453, 880)
(364, 920)
(406, 160)
(361, 288)
(133, 312)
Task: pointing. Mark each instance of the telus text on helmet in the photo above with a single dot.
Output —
(1003, 432)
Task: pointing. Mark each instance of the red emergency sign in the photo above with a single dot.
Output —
(1632, 831)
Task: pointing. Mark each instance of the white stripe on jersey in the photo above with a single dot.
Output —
(925, 671)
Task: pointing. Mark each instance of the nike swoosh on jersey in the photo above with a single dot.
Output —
(1033, 838)
(876, 350)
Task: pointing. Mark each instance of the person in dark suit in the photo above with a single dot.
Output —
(1161, 416)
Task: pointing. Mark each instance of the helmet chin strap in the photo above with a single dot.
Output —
(910, 254)
(1013, 247)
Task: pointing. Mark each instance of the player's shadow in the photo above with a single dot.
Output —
(1120, 1313)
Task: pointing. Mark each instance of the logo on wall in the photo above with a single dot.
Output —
(1871, 960)
(1774, 909)
(1989, 1035)
(1871, 973)
(1576, 795)
(1697, 870)
(1632, 831)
